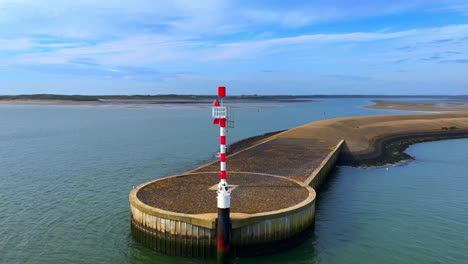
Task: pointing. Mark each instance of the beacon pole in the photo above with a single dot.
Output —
(223, 234)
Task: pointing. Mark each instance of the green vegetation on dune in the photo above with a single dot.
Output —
(99, 97)
(91, 98)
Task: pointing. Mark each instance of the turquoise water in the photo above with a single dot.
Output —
(66, 171)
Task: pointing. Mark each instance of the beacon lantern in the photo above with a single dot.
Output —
(221, 91)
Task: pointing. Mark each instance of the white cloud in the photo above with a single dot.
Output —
(256, 48)
(299, 14)
(88, 19)
(15, 44)
(295, 18)
(152, 50)
(110, 38)
(97, 19)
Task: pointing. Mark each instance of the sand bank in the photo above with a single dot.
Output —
(433, 106)
(48, 102)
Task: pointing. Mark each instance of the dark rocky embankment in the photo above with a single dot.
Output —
(384, 150)
(391, 149)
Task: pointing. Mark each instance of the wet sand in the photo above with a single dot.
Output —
(433, 106)
(48, 102)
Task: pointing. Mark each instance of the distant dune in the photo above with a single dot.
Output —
(57, 99)
(50, 99)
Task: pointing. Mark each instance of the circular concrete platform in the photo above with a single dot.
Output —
(177, 215)
(251, 193)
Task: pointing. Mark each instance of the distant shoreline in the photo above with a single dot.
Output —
(383, 135)
(143, 101)
(57, 99)
(48, 102)
(421, 106)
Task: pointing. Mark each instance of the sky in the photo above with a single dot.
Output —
(251, 47)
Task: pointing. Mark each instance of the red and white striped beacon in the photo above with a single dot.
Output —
(223, 236)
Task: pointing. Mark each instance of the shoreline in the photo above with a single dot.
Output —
(137, 102)
(430, 106)
(49, 102)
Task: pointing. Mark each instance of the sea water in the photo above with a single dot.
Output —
(66, 172)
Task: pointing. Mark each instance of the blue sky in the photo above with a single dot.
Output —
(252, 47)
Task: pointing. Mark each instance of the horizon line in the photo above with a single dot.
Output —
(236, 95)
